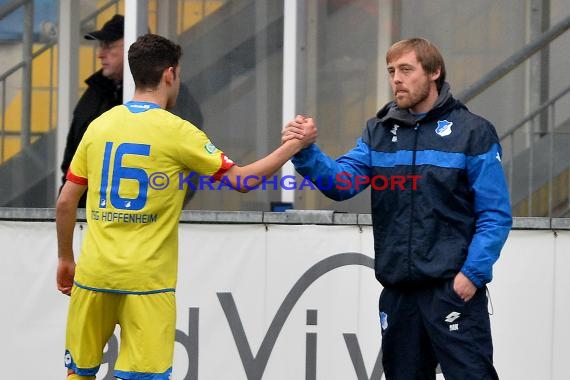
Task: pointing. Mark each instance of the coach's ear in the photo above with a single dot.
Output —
(435, 75)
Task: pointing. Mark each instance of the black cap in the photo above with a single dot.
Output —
(112, 30)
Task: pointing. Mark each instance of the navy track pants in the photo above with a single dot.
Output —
(426, 326)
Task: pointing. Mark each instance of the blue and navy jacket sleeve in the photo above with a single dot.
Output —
(493, 214)
(338, 179)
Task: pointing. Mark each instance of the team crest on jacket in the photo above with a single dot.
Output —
(443, 128)
(394, 131)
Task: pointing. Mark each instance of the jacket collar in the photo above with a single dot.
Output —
(104, 84)
(403, 116)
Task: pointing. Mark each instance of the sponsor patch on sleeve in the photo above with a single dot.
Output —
(210, 148)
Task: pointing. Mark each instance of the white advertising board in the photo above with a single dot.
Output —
(269, 301)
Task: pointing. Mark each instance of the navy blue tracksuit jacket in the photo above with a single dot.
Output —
(440, 203)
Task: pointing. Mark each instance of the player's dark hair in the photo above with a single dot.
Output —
(427, 54)
(149, 56)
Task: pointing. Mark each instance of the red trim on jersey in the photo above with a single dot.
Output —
(75, 179)
(226, 165)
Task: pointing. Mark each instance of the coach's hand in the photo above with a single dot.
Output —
(302, 128)
(65, 275)
(463, 286)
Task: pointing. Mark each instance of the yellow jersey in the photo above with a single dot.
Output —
(134, 159)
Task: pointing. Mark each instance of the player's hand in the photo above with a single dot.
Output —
(302, 128)
(65, 275)
(463, 286)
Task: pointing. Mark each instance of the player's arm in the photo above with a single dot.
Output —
(65, 218)
(244, 178)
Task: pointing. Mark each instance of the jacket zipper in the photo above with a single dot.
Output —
(412, 199)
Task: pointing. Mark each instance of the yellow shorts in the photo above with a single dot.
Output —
(148, 328)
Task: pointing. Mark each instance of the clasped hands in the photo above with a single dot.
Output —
(301, 128)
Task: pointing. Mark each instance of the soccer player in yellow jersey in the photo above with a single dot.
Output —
(130, 162)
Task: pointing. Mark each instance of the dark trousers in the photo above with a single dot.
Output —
(430, 325)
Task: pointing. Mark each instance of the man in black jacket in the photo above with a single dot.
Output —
(104, 88)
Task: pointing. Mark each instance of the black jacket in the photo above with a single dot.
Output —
(101, 95)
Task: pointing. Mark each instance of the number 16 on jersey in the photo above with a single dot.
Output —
(120, 172)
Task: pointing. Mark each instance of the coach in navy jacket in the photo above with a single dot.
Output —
(440, 213)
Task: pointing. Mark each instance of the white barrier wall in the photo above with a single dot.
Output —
(269, 301)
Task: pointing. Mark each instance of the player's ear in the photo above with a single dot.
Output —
(169, 75)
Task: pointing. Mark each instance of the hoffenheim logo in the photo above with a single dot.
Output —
(443, 128)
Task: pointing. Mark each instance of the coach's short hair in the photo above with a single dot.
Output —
(149, 56)
(427, 53)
